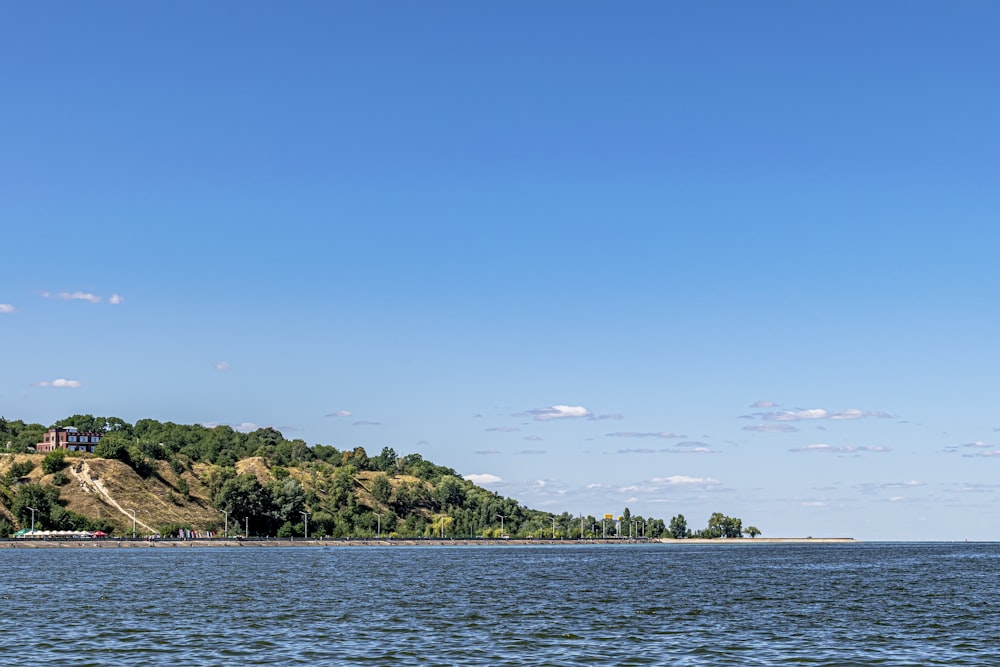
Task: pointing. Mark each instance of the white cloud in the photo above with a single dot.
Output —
(222, 366)
(6, 308)
(366, 423)
(483, 479)
(558, 412)
(338, 413)
(533, 438)
(116, 299)
(764, 404)
(61, 384)
(503, 429)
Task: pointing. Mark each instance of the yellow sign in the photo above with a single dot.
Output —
(609, 517)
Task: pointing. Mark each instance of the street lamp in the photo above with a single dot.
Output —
(33, 510)
(226, 512)
(306, 515)
(133, 524)
(502, 517)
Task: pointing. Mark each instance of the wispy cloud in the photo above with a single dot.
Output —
(820, 413)
(764, 404)
(116, 299)
(645, 434)
(883, 486)
(614, 415)
(533, 438)
(483, 479)
(979, 448)
(338, 413)
(531, 452)
(6, 308)
(242, 427)
(502, 429)
(831, 449)
(556, 412)
(488, 452)
(73, 296)
(222, 366)
(688, 447)
(366, 423)
(60, 383)
(771, 428)
(684, 480)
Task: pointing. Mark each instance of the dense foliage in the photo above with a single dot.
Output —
(338, 493)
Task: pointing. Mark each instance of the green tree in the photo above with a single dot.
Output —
(245, 498)
(752, 531)
(288, 500)
(450, 492)
(44, 500)
(678, 528)
(720, 525)
(381, 489)
(114, 446)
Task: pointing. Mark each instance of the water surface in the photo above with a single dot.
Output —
(844, 604)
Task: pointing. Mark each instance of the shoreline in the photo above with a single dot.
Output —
(141, 543)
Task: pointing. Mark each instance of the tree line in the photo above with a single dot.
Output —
(338, 493)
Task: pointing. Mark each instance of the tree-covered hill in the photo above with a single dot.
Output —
(160, 477)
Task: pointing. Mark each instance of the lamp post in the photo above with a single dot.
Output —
(502, 517)
(133, 524)
(226, 512)
(246, 530)
(33, 510)
(306, 515)
(553, 528)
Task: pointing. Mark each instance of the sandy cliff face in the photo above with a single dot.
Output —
(109, 489)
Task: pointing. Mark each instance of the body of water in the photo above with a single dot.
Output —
(838, 604)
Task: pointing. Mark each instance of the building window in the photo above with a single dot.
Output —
(72, 438)
(94, 438)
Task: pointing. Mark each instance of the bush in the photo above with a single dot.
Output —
(21, 469)
(176, 466)
(59, 478)
(54, 461)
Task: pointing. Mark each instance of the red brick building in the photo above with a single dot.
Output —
(68, 438)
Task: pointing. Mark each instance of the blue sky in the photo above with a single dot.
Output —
(679, 257)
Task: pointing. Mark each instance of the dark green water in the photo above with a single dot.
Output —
(864, 604)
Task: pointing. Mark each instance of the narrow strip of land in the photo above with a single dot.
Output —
(112, 543)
